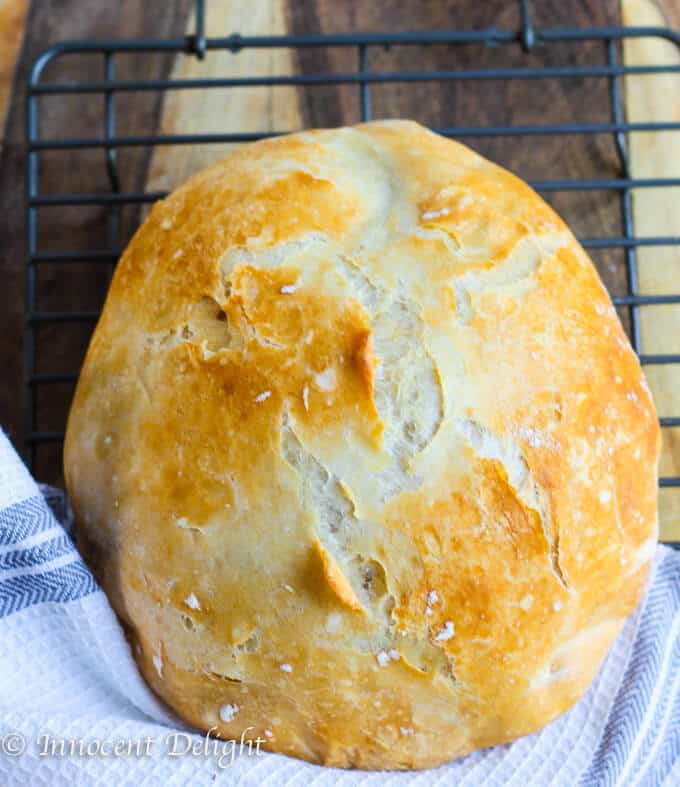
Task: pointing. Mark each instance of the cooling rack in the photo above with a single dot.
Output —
(107, 90)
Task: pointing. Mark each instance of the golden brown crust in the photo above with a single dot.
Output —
(360, 452)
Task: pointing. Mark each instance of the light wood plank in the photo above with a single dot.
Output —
(226, 110)
(12, 23)
(657, 212)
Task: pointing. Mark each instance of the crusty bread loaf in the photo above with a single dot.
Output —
(360, 452)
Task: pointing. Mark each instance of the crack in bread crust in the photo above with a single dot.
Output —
(407, 388)
(505, 451)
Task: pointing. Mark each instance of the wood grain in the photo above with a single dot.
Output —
(221, 110)
(12, 22)
(657, 212)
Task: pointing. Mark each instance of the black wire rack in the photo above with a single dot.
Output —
(527, 37)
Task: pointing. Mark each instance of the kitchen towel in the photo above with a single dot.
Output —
(74, 710)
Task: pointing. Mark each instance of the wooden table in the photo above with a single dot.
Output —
(469, 104)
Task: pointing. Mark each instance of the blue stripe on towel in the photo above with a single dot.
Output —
(28, 576)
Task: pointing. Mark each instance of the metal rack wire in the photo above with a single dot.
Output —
(527, 37)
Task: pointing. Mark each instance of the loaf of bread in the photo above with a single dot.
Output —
(360, 452)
